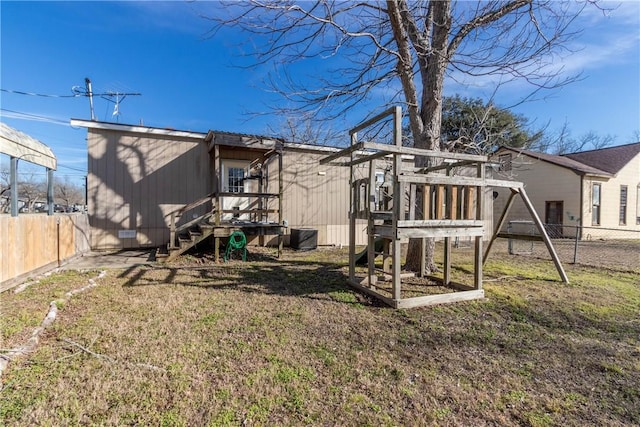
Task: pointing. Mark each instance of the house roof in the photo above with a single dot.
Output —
(93, 124)
(610, 159)
(565, 162)
(24, 147)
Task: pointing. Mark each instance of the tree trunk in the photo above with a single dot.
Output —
(431, 114)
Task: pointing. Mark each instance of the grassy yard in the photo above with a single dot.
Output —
(286, 342)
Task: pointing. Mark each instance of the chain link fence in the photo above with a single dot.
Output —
(615, 249)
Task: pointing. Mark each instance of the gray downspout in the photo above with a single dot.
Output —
(49, 191)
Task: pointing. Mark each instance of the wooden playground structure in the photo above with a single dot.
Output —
(402, 201)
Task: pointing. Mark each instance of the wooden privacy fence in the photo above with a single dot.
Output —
(33, 243)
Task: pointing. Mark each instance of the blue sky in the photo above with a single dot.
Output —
(187, 81)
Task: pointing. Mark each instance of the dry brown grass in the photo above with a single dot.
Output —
(286, 342)
(23, 311)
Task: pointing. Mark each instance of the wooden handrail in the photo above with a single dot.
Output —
(194, 221)
(192, 205)
(177, 213)
(228, 194)
(210, 196)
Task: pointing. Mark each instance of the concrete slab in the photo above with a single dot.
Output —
(114, 259)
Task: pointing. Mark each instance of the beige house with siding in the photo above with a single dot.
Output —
(139, 175)
(598, 190)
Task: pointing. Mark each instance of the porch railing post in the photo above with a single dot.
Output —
(172, 231)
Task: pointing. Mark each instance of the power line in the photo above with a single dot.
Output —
(73, 169)
(29, 116)
(115, 97)
(19, 92)
(77, 92)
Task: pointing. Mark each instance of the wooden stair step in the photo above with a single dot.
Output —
(184, 242)
(195, 233)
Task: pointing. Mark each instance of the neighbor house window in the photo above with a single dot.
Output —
(235, 183)
(595, 202)
(638, 205)
(505, 162)
(623, 205)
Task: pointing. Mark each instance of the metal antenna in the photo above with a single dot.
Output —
(109, 96)
(87, 83)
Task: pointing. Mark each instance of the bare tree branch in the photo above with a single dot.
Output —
(398, 51)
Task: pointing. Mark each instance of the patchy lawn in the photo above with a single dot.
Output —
(286, 342)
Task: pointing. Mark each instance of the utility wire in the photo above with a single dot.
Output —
(19, 92)
(77, 91)
(28, 116)
(73, 169)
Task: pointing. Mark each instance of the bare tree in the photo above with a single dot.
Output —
(31, 191)
(67, 193)
(302, 129)
(404, 49)
(563, 142)
(5, 187)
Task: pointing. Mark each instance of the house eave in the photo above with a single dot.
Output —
(91, 124)
(577, 171)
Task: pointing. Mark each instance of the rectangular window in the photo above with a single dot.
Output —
(595, 204)
(638, 205)
(235, 183)
(623, 205)
(505, 162)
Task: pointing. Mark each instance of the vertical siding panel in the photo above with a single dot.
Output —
(113, 218)
(130, 172)
(322, 186)
(303, 194)
(123, 187)
(107, 200)
(92, 189)
(92, 186)
(188, 178)
(101, 195)
(158, 152)
(185, 194)
(155, 150)
(140, 193)
(150, 210)
(174, 186)
(143, 195)
(143, 212)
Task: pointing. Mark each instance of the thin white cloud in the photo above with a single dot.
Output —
(611, 51)
(609, 38)
(180, 16)
(622, 12)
